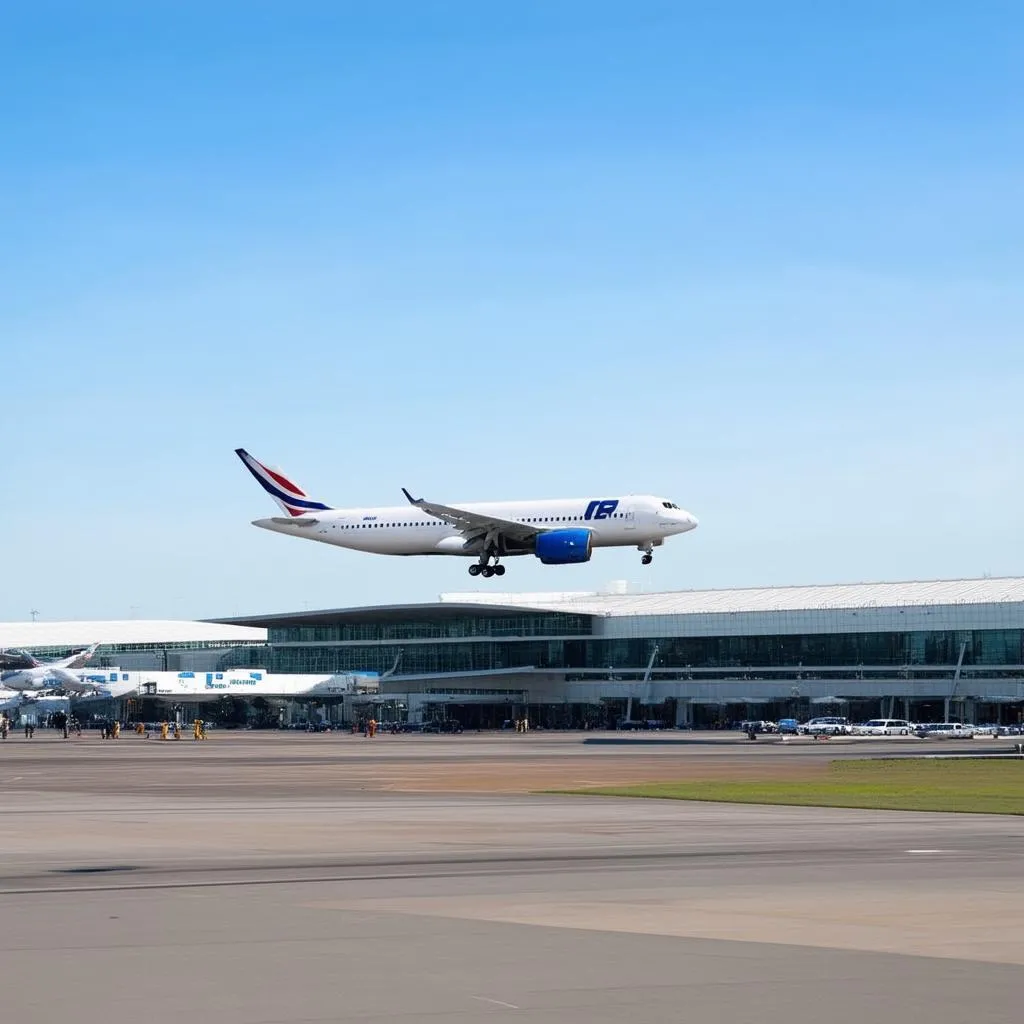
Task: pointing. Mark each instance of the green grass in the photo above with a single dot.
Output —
(981, 787)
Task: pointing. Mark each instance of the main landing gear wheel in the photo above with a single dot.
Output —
(485, 569)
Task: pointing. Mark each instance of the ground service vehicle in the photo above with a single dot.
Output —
(883, 727)
(830, 726)
(945, 731)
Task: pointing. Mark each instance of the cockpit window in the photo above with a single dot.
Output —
(669, 504)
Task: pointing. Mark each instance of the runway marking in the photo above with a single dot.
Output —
(495, 1002)
(925, 851)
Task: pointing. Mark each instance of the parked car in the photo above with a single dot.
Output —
(758, 726)
(883, 727)
(788, 726)
(945, 731)
(830, 726)
(447, 725)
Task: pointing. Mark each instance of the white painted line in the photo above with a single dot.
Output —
(495, 1002)
(925, 851)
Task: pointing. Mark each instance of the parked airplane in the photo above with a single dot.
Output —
(47, 675)
(559, 532)
(11, 700)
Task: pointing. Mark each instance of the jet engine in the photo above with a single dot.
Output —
(563, 547)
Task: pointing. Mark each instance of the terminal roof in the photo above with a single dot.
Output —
(680, 602)
(1000, 590)
(16, 635)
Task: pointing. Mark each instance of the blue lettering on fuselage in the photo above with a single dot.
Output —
(601, 509)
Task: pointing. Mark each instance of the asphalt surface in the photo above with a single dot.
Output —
(228, 882)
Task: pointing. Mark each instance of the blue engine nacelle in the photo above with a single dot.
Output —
(563, 547)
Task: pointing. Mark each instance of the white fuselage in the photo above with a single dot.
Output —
(41, 677)
(633, 520)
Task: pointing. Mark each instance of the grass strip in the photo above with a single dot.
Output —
(980, 787)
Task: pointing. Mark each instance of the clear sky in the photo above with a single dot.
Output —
(766, 259)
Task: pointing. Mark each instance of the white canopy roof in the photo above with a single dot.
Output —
(14, 635)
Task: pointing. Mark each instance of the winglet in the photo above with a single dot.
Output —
(412, 500)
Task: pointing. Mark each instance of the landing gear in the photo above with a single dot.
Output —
(485, 569)
(648, 550)
(647, 559)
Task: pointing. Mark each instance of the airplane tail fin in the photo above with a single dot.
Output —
(78, 660)
(23, 658)
(289, 497)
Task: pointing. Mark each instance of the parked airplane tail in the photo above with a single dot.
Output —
(79, 660)
(291, 498)
(17, 659)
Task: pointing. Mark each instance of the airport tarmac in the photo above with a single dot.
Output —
(257, 880)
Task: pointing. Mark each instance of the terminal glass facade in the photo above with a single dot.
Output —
(559, 641)
(458, 627)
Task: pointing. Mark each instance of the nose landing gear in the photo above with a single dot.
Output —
(648, 550)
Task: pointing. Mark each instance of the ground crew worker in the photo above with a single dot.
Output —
(177, 730)
(117, 730)
(3, 726)
(164, 730)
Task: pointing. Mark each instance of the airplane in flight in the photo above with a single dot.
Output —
(561, 531)
(31, 675)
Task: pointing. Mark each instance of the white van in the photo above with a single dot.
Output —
(825, 727)
(946, 731)
(884, 727)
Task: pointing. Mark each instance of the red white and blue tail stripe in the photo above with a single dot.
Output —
(291, 498)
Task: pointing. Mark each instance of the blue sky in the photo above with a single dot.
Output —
(765, 259)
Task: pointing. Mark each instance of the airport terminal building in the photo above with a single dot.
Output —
(920, 650)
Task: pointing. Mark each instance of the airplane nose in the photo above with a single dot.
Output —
(690, 520)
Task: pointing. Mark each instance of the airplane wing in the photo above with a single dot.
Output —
(473, 524)
(68, 681)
